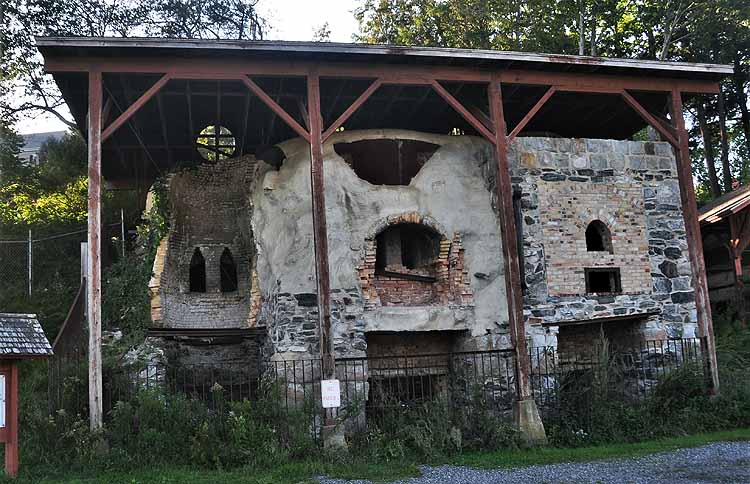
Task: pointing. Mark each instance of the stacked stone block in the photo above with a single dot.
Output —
(631, 185)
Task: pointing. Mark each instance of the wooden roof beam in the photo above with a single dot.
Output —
(184, 68)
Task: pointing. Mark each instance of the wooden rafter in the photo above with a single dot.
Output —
(163, 122)
(456, 104)
(668, 134)
(352, 109)
(522, 124)
(133, 108)
(274, 106)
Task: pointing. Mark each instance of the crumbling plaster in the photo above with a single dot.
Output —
(451, 189)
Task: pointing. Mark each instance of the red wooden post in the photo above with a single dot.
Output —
(9, 433)
(93, 274)
(526, 413)
(695, 242)
(320, 233)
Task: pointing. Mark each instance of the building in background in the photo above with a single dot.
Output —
(33, 142)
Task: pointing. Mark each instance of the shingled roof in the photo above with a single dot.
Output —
(21, 336)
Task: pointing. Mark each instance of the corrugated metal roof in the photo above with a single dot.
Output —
(21, 336)
(288, 50)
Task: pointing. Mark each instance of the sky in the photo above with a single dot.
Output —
(288, 19)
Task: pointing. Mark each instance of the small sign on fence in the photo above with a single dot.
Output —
(331, 393)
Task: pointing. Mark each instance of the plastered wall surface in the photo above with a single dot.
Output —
(451, 190)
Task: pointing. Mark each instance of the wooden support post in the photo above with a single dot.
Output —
(320, 234)
(526, 413)
(9, 433)
(738, 241)
(93, 276)
(695, 243)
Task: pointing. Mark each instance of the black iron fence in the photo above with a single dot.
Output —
(379, 384)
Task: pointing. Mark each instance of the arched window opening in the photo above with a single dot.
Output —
(386, 161)
(407, 249)
(197, 272)
(228, 272)
(598, 237)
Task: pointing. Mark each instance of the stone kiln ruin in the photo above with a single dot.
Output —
(343, 234)
(603, 245)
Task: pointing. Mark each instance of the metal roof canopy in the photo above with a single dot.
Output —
(161, 135)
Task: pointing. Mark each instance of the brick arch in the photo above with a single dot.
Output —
(449, 285)
(406, 217)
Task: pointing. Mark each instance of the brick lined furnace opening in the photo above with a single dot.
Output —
(577, 342)
(409, 263)
(386, 161)
(603, 281)
(398, 378)
(406, 264)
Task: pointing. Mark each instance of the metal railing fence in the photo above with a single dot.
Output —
(377, 385)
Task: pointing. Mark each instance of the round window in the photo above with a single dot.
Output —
(215, 143)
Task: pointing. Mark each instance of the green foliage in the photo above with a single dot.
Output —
(678, 405)
(10, 147)
(62, 160)
(126, 297)
(434, 430)
(28, 205)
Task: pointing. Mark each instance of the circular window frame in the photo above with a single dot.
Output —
(215, 143)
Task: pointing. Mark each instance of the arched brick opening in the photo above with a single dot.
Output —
(598, 237)
(228, 271)
(197, 272)
(409, 262)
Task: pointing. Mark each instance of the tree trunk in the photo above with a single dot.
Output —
(708, 151)
(739, 86)
(593, 32)
(726, 169)
(581, 31)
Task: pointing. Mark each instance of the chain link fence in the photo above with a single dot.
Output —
(40, 263)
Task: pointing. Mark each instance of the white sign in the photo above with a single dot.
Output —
(2, 401)
(331, 392)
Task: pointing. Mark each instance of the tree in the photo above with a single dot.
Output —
(25, 90)
(10, 147)
(715, 31)
(322, 33)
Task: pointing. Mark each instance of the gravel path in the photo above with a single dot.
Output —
(725, 462)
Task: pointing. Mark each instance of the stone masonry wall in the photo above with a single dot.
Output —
(633, 187)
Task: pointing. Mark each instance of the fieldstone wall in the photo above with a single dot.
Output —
(565, 184)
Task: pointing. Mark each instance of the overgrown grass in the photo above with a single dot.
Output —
(348, 467)
(181, 440)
